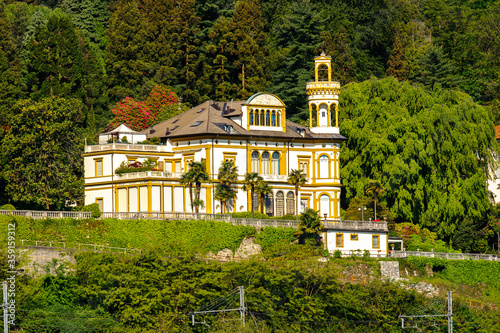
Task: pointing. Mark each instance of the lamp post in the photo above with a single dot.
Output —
(362, 209)
(180, 101)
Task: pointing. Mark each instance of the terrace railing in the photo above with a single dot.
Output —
(34, 214)
(453, 256)
(356, 225)
(124, 146)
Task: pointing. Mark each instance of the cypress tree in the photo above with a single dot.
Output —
(126, 65)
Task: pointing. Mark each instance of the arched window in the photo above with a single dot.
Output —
(273, 118)
(255, 162)
(269, 200)
(250, 117)
(262, 118)
(324, 205)
(256, 117)
(280, 204)
(290, 203)
(276, 163)
(323, 166)
(265, 163)
(255, 202)
(268, 118)
(278, 119)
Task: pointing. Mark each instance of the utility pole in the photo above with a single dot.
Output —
(449, 315)
(5, 306)
(242, 305)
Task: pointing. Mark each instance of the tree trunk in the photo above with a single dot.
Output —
(296, 202)
(251, 201)
(191, 197)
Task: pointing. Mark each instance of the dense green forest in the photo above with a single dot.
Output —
(70, 68)
(287, 288)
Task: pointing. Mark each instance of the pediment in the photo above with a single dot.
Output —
(265, 99)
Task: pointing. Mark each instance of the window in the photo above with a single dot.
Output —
(196, 123)
(354, 237)
(290, 203)
(176, 120)
(262, 118)
(201, 110)
(273, 118)
(99, 202)
(339, 240)
(256, 117)
(278, 117)
(268, 118)
(324, 206)
(323, 166)
(174, 127)
(250, 117)
(160, 166)
(276, 163)
(255, 162)
(376, 241)
(280, 204)
(265, 163)
(268, 202)
(98, 168)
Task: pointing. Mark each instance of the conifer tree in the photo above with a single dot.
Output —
(127, 67)
(249, 48)
(10, 70)
(54, 62)
(338, 47)
(398, 66)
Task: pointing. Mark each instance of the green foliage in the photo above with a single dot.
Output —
(176, 236)
(93, 208)
(7, 207)
(247, 215)
(125, 167)
(270, 236)
(408, 138)
(337, 254)
(309, 227)
(42, 153)
(469, 272)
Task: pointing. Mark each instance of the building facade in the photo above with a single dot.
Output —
(254, 134)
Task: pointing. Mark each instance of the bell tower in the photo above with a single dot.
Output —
(323, 97)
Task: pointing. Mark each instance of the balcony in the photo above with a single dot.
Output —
(125, 146)
(150, 174)
(323, 84)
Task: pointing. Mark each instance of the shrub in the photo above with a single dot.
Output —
(7, 207)
(366, 254)
(94, 209)
(337, 254)
(248, 215)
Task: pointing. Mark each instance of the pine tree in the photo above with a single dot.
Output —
(54, 60)
(10, 70)
(250, 51)
(398, 66)
(127, 67)
(338, 47)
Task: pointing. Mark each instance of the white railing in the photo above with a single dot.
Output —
(143, 174)
(276, 178)
(79, 246)
(46, 214)
(356, 225)
(258, 223)
(125, 146)
(443, 255)
(323, 84)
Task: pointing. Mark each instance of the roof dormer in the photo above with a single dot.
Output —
(264, 112)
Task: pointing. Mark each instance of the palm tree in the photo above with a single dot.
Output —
(310, 225)
(251, 180)
(223, 193)
(196, 175)
(297, 178)
(375, 188)
(228, 175)
(262, 188)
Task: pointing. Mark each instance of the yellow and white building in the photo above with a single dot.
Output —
(255, 134)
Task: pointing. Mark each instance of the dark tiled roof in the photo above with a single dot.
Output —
(215, 118)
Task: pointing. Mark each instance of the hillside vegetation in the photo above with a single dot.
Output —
(287, 289)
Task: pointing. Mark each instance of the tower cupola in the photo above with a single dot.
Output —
(323, 97)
